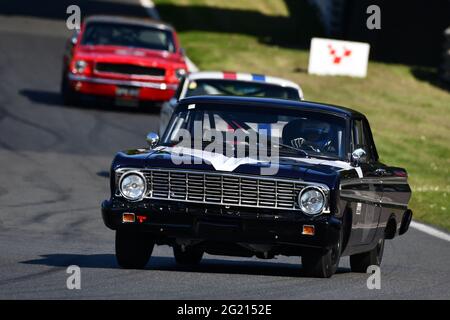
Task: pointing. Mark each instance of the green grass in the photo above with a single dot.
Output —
(410, 118)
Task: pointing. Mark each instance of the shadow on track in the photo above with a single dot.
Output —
(54, 99)
(108, 261)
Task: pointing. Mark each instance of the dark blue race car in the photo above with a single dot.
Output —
(258, 177)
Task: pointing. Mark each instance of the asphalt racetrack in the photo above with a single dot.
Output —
(54, 164)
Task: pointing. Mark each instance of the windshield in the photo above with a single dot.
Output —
(128, 35)
(295, 133)
(240, 88)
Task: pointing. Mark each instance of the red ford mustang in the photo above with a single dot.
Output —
(130, 60)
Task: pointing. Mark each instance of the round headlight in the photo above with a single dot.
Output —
(80, 66)
(311, 200)
(132, 186)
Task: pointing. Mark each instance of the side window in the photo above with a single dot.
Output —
(358, 141)
(361, 138)
(371, 150)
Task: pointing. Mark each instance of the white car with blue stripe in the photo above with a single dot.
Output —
(229, 84)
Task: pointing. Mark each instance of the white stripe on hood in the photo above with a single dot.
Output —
(223, 163)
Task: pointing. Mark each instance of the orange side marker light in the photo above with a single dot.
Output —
(308, 230)
(128, 217)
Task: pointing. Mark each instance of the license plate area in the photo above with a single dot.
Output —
(217, 230)
(127, 96)
(127, 92)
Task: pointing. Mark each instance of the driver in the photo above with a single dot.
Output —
(304, 134)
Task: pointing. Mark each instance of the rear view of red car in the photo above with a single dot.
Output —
(127, 60)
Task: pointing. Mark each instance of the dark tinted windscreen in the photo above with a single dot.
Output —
(316, 133)
(115, 34)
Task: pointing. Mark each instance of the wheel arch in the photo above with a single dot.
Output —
(347, 221)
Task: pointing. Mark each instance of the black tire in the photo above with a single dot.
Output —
(133, 249)
(190, 256)
(325, 264)
(69, 96)
(361, 261)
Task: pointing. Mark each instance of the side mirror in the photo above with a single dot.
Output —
(358, 156)
(152, 139)
(74, 38)
(182, 51)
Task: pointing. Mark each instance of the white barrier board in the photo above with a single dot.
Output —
(337, 57)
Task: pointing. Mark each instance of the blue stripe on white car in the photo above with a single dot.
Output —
(259, 77)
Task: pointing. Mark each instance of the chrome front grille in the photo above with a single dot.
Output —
(221, 188)
(129, 69)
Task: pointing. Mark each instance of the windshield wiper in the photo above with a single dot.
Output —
(306, 154)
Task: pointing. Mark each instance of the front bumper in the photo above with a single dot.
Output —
(170, 220)
(148, 91)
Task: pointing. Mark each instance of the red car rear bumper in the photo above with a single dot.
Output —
(148, 91)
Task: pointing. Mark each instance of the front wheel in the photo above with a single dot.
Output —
(69, 96)
(322, 265)
(188, 256)
(361, 261)
(133, 249)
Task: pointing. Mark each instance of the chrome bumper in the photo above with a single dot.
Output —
(117, 82)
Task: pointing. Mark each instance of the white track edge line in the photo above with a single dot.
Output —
(430, 230)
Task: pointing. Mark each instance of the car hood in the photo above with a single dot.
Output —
(306, 169)
(108, 53)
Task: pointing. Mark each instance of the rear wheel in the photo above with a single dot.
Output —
(361, 261)
(324, 264)
(133, 249)
(190, 256)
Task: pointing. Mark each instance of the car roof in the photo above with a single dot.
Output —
(249, 77)
(129, 20)
(270, 102)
